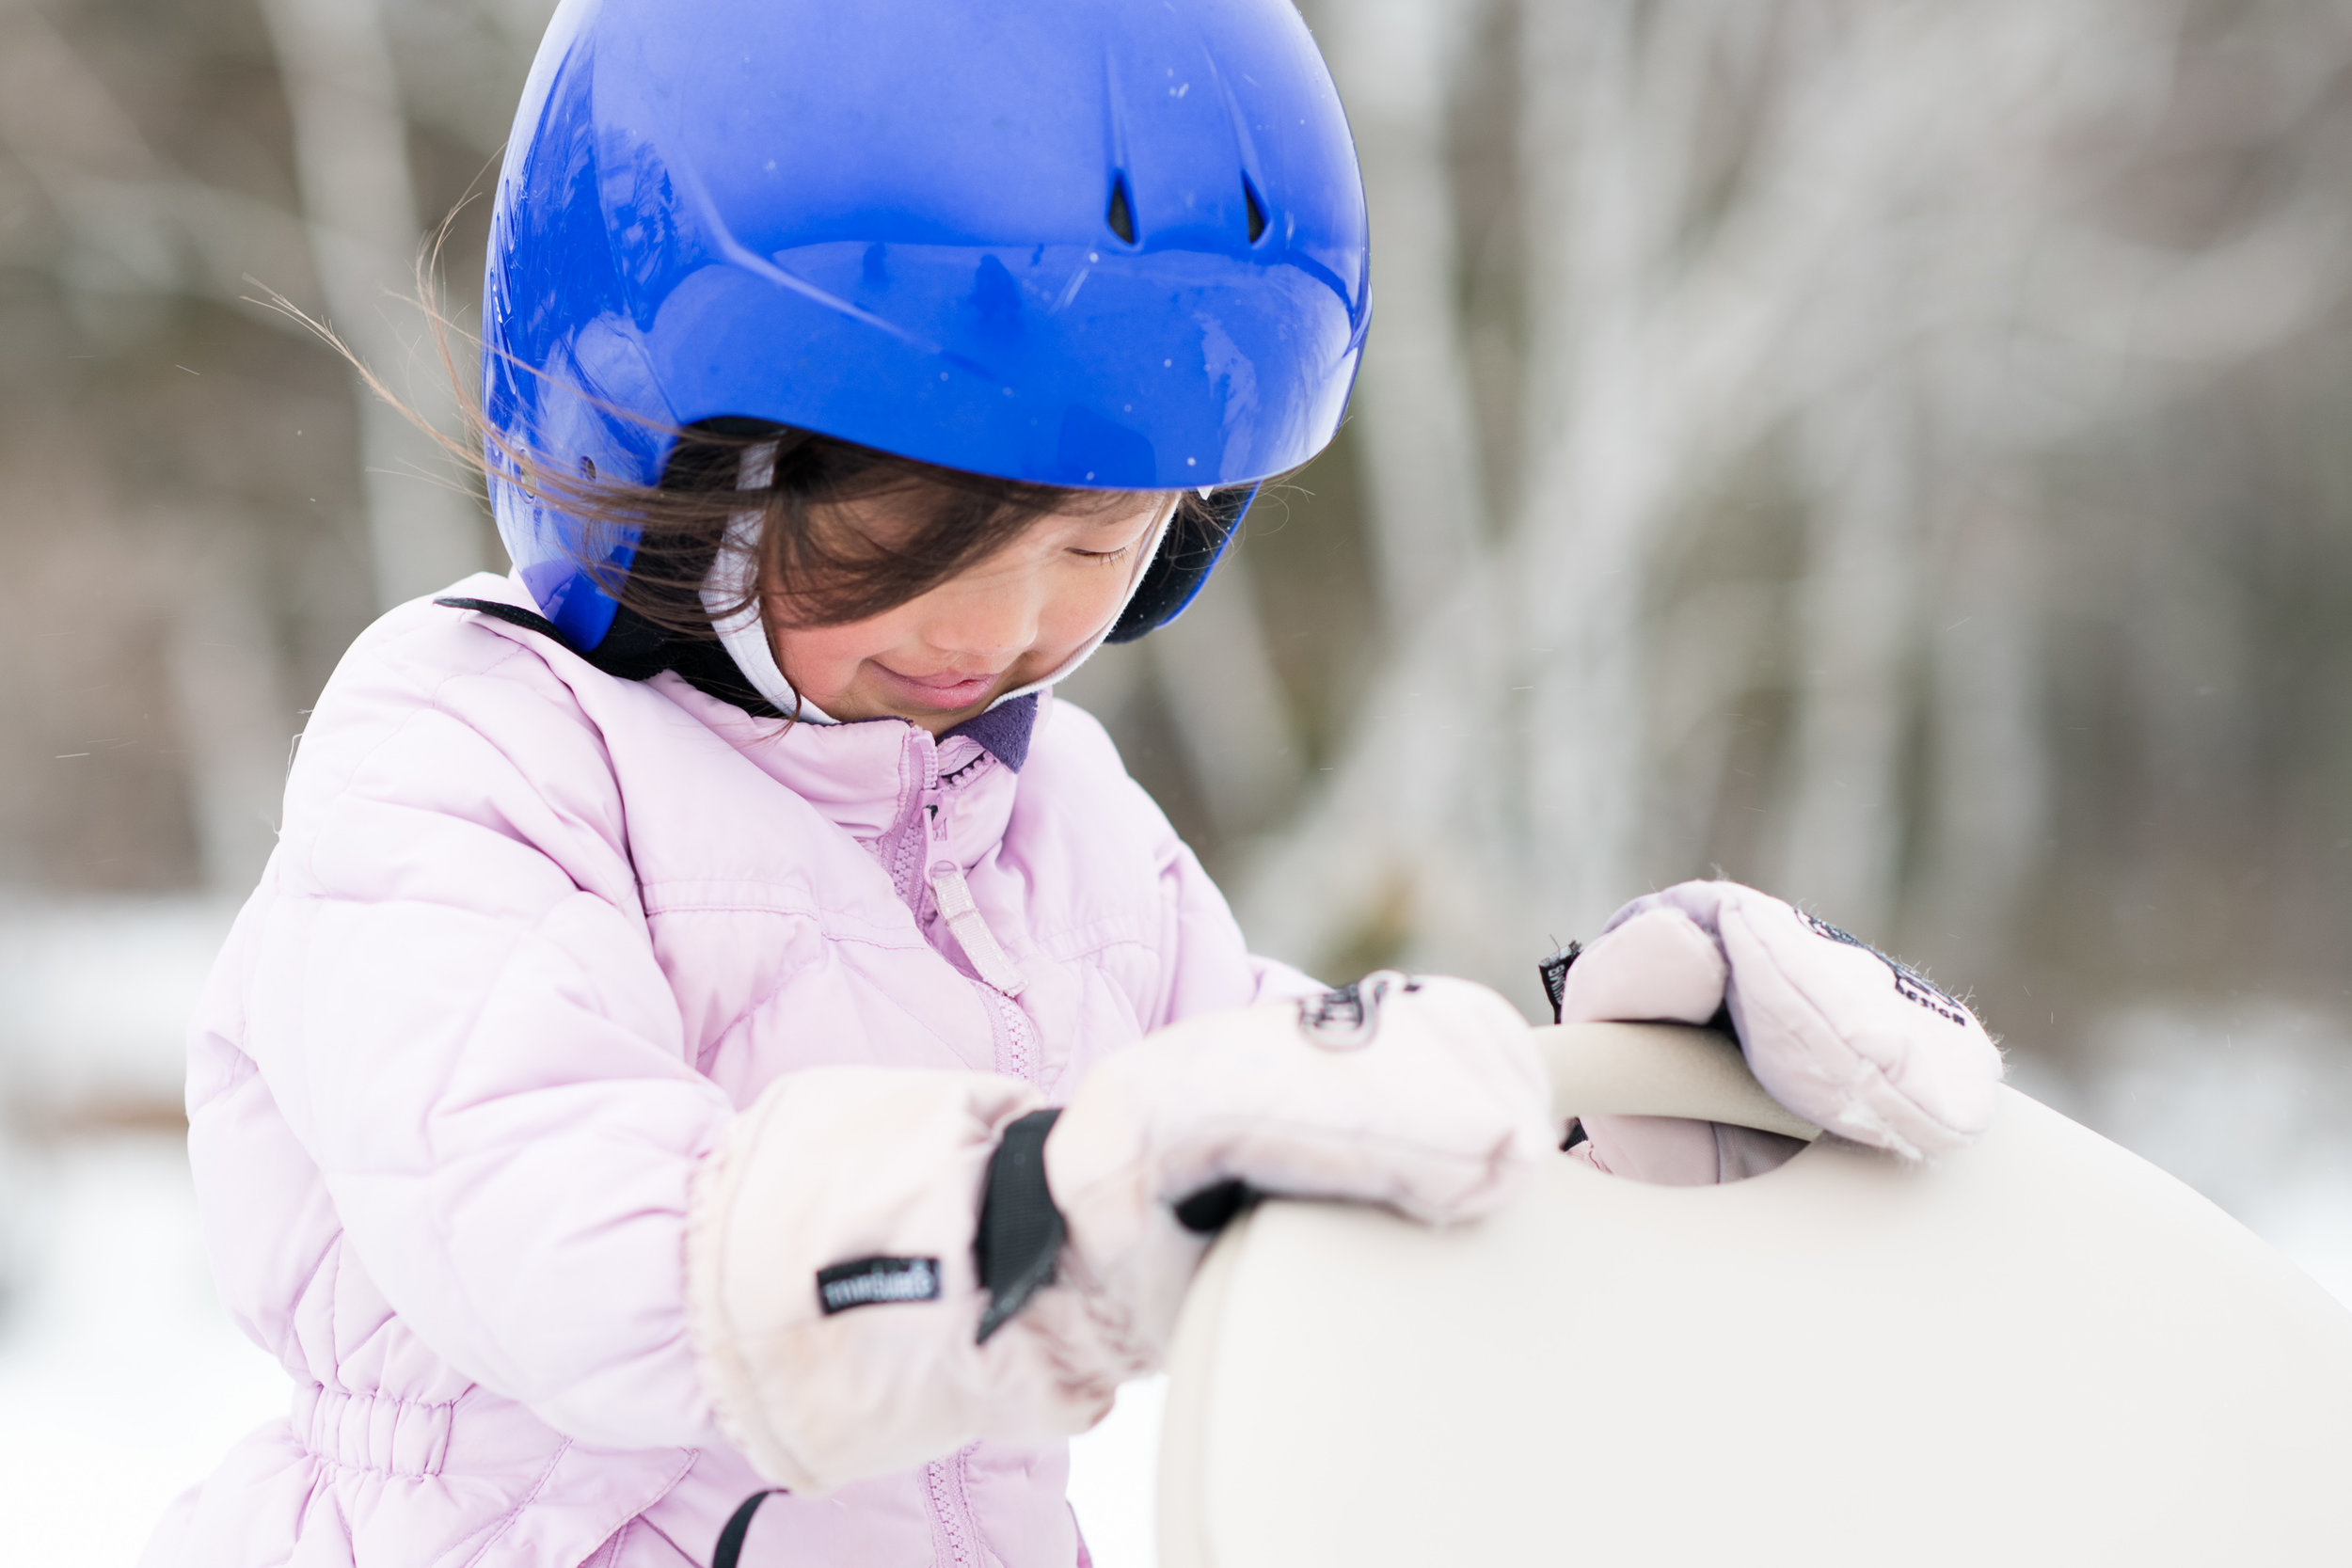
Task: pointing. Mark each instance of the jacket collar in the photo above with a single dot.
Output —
(1003, 732)
(864, 775)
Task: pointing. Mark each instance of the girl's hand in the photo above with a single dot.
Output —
(884, 1264)
(1421, 1094)
(1835, 1030)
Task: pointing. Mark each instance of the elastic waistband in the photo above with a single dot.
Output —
(373, 1432)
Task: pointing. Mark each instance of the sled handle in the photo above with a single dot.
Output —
(1659, 1070)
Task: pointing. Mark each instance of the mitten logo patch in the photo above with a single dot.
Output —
(875, 1281)
(1910, 984)
(1348, 1018)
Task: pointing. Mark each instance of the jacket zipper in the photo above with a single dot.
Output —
(953, 897)
(908, 848)
(919, 866)
(943, 1478)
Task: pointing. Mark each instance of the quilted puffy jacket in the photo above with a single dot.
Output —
(531, 937)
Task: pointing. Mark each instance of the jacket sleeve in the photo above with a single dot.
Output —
(1206, 965)
(455, 1004)
(1211, 965)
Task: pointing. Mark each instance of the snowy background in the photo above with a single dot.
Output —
(1892, 453)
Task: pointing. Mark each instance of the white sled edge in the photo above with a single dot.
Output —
(2039, 1349)
(1644, 1069)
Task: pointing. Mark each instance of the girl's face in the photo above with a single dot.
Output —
(1010, 619)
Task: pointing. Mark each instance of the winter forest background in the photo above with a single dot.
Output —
(1898, 453)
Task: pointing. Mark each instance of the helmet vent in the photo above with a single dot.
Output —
(1257, 210)
(1122, 214)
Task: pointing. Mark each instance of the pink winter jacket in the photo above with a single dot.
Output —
(532, 936)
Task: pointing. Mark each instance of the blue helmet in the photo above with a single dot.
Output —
(1079, 243)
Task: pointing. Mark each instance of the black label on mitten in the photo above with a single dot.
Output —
(876, 1281)
(1555, 972)
(1910, 984)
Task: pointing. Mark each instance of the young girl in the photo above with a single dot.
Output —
(630, 1090)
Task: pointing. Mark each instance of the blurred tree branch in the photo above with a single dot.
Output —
(132, 222)
(1866, 233)
(351, 159)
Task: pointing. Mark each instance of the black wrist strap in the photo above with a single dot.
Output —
(1021, 1232)
(730, 1548)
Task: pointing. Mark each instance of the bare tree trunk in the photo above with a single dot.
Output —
(1842, 831)
(1990, 794)
(1393, 60)
(233, 717)
(351, 157)
(1216, 675)
(1403, 831)
(1590, 491)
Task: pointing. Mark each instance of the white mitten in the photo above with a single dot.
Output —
(1420, 1093)
(1835, 1030)
(884, 1265)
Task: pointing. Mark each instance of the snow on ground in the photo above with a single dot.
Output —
(95, 995)
(2249, 1103)
(1114, 1473)
(123, 1382)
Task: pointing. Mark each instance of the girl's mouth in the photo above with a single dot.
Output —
(943, 692)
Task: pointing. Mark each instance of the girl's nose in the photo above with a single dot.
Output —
(991, 616)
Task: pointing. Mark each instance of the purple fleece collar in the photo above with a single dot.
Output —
(1003, 732)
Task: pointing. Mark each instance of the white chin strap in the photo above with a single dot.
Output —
(744, 634)
(731, 580)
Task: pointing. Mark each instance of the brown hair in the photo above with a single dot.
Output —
(943, 521)
(947, 519)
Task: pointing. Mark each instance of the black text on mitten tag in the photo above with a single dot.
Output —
(876, 1282)
(1555, 972)
(1912, 986)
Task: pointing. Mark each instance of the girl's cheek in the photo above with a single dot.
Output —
(819, 662)
(1093, 598)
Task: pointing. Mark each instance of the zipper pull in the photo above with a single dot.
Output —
(964, 918)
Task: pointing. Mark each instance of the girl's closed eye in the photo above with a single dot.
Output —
(1008, 620)
(1112, 540)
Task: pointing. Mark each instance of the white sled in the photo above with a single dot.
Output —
(2041, 1350)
